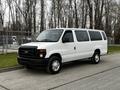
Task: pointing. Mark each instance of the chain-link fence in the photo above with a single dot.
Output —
(8, 43)
(11, 42)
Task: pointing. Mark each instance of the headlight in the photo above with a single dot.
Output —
(41, 53)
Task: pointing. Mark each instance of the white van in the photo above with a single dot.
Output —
(56, 46)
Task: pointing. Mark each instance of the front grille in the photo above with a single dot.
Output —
(28, 51)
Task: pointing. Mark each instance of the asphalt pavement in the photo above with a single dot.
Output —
(81, 75)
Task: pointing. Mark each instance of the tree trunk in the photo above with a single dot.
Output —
(42, 16)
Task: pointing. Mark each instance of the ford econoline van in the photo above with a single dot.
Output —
(54, 47)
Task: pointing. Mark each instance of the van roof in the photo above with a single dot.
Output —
(75, 29)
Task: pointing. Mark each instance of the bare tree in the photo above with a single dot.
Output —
(1, 14)
(99, 7)
(34, 15)
(89, 2)
(107, 18)
(42, 16)
(84, 12)
(76, 14)
(27, 15)
(70, 16)
(117, 25)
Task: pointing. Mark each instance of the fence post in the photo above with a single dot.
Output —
(1, 29)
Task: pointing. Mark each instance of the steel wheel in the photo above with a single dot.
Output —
(96, 58)
(54, 65)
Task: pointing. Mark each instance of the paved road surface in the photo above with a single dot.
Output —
(108, 80)
(77, 76)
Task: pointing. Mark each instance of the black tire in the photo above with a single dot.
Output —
(95, 59)
(52, 68)
(29, 67)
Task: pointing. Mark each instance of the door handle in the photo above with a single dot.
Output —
(74, 48)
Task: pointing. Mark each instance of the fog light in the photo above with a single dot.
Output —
(41, 55)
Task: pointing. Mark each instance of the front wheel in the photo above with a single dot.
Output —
(96, 58)
(54, 65)
(29, 67)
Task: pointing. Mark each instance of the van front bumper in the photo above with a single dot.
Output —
(32, 62)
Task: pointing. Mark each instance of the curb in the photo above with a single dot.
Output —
(11, 69)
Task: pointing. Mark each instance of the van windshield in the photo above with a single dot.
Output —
(49, 36)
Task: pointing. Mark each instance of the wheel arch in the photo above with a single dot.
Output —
(97, 50)
(56, 54)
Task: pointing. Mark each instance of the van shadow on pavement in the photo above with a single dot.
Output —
(65, 66)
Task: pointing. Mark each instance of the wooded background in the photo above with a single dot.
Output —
(32, 16)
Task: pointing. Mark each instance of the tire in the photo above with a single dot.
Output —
(95, 58)
(28, 67)
(54, 65)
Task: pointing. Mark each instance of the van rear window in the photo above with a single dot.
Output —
(104, 36)
(95, 35)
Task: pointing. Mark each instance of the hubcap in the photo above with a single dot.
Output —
(97, 58)
(55, 65)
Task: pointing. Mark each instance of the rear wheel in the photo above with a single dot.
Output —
(95, 58)
(54, 65)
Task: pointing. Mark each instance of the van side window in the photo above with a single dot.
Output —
(104, 36)
(82, 36)
(95, 36)
(68, 35)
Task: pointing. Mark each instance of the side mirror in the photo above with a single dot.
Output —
(65, 40)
